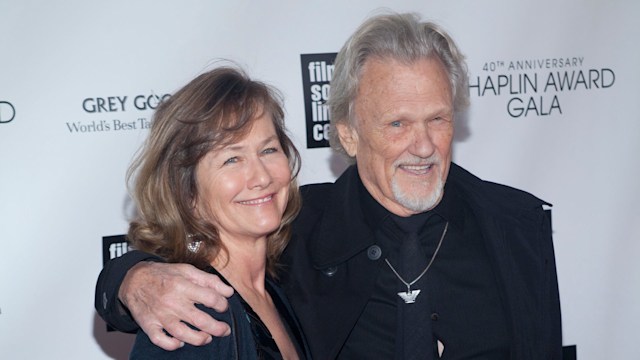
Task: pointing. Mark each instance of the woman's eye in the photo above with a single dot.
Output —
(270, 150)
(396, 123)
(231, 160)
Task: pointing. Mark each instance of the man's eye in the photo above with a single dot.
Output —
(440, 122)
(395, 123)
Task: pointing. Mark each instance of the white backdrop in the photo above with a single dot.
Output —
(62, 164)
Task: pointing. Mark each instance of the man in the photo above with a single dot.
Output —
(406, 255)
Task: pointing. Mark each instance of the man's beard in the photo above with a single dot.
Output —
(417, 203)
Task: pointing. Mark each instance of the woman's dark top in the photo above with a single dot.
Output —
(249, 339)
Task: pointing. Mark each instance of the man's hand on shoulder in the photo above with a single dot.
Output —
(162, 296)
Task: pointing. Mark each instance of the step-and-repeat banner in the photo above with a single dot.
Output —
(555, 110)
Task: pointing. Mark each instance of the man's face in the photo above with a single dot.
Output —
(403, 132)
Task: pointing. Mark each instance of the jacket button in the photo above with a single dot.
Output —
(374, 252)
(330, 271)
(435, 316)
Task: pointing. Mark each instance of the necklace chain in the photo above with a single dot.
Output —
(433, 257)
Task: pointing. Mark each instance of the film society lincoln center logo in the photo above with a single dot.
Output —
(317, 70)
(112, 247)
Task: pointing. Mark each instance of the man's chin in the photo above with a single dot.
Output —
(419, 201)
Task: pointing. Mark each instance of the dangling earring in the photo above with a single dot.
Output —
(193, 246)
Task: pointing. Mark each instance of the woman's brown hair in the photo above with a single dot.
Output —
(215, 109)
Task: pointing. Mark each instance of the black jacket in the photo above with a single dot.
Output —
(330, 275)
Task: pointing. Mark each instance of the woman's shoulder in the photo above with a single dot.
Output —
(227, 347)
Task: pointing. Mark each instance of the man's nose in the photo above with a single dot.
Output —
(422, 144)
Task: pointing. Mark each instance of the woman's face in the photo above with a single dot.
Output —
(244, 187)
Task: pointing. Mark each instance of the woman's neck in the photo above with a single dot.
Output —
(244, 264)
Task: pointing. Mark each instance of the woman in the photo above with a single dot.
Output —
(215, 187)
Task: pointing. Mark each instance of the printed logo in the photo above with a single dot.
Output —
(317, 70)
(110, 113)
(535, 86)
(113, 247)
(7, 112)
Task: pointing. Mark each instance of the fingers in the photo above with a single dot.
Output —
(209, 297)
(179, 305)
(209, 290)
(207, 324)
(160, 338)
(162, 296)
(173, 321)
(179, 330)
(205, 279)
(205, 289)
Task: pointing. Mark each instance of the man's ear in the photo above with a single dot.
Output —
(348, 138)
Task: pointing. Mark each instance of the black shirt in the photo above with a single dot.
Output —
(460, 289)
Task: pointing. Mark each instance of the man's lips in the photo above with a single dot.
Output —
(417, 169)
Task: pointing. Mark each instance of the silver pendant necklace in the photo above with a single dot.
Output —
(410, 296)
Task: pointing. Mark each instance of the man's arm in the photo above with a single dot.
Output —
(106, 302)
(139, 288)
